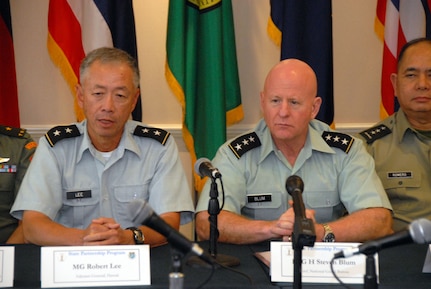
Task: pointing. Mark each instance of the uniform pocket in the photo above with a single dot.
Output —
(7, 181)
(123, 195)
(327, 205)
(402, 189)
(79, 207)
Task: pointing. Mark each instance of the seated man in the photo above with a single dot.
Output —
(84, 175)
(400, 144)
(342, 192)
(16, 150)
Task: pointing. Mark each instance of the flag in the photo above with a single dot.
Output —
(303, 29)
(9, 110)
(76, 27)
(201, 69)
(396, 23)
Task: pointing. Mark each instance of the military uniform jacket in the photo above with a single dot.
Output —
(16, 150)
(338, 175)
(403, 163)
(72, 183)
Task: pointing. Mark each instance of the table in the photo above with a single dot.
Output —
(400, 267)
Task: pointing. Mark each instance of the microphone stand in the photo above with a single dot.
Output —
(303, 235)
(370, 277)
(297, 262)
(176, 277)
(213, 211)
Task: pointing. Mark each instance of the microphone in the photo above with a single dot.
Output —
(303, 228)
(142, 213)
(295, 186)
(204, 168)
(419, 231)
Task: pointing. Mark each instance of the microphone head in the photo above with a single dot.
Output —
(294, 183)
(198, 164)
(139, 211)
(420, 231)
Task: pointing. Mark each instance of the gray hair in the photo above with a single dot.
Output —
(107, 55)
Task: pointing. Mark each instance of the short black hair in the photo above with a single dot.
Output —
(408, 44)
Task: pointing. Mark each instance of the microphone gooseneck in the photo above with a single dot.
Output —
(419, 231)
(142, 213)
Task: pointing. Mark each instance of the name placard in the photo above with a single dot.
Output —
(316, 263)
(7, 265)
(74, 266)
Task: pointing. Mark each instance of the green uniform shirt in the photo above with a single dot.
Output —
(402, 158)
(16, 150)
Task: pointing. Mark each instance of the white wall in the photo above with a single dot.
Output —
(45, 99)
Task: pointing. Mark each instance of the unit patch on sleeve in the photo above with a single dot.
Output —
(244, 143)
(375, 133)
(58, 133)
(338, 140)
(158, 134)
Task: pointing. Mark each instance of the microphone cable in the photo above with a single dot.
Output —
(331, 264)
(213, 269)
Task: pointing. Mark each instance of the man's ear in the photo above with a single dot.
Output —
(394, 78)
(79, 94)
(317, 102)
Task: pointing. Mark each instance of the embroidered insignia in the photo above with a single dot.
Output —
(8, 168)
(244, 143)
(375, 133)
(158, 134)
(338, 140)
(58, 133)
(31, 145)
(12, 131)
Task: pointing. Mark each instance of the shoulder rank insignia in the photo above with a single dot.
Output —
(158, 134)
(244, 143)
(58, 133)
(12, 131)
(375, 133)
(338, 140)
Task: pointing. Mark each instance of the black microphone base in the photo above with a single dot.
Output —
(221, 259)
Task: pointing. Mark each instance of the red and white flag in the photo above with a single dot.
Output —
(76, 27)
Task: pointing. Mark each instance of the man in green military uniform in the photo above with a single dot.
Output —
(400, 144)
(16, 150)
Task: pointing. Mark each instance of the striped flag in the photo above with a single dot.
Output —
(75, 27)
(397, 22)
(303, 29)
(201, 69)
(9, 110)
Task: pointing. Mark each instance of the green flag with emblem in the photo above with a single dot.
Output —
(201, 69)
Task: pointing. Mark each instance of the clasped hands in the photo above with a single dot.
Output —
(283, 227)
(106, 231)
